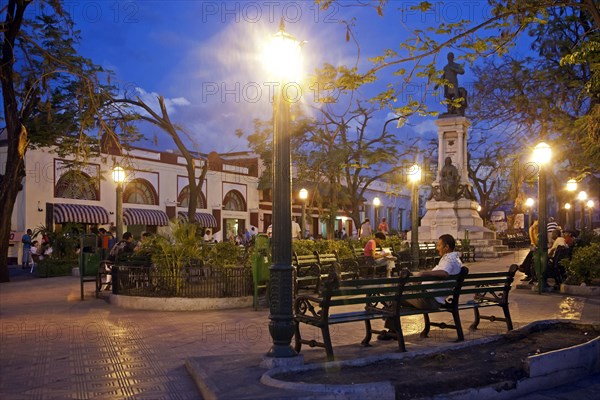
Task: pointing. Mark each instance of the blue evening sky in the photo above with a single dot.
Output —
(204, 56)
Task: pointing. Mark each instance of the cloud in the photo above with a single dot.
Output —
(427, 126)
(151, 99)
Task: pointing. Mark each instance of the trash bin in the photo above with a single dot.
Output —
(90, 256)
(260, 265)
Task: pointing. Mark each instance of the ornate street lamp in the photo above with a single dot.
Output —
(541, 156)
(529, 204)
(590, 207)
(118, 174)
(376, 204)
(582, 197)
(283, 60)
(303, 196)
(414, 175)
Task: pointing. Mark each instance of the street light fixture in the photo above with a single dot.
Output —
(541, 156)
(582, 197)
(283, 60)
(376, 204)
(571, 187)
(590, 206)
(529, 204)
(118, 174)
(303, 196)
(414, 175)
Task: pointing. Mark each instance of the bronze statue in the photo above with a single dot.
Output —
(449, 181)
(451, 89)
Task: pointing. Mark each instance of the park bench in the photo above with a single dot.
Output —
(466, 250)
(347, 269)
(378, 298)
(463, 292)
(366, 265)
(306, 269)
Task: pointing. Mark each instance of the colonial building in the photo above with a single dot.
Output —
(57, 191)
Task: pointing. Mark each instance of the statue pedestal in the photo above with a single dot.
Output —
(454, 218)
(456, 212)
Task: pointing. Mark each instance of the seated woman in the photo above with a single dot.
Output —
(380, 258)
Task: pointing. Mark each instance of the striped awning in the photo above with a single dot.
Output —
(79, 213)
(140, 216)
(204, 219)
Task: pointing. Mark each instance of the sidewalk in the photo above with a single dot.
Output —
(55, 346)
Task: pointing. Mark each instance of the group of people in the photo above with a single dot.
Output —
(556, 239)
(366, 230)
(127, 245)
(34, 250)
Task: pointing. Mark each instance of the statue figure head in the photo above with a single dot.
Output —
(448, 161)
(450, 57)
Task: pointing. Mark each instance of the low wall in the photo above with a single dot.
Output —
(179, 303)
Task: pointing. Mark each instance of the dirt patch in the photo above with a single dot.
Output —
(448, 371)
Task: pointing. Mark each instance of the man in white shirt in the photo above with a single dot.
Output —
(449, 264)
(296, 231)
(558, 240)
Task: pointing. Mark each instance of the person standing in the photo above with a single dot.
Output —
(533, 233)
(383, 227)
(365, 229)
(296, 231)
(26, 240)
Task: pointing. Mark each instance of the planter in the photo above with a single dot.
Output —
(579, 290)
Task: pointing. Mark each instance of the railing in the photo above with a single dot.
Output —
(188, 282)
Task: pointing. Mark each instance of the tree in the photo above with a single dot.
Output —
(48, 92)
(340, 155)
(163, 121)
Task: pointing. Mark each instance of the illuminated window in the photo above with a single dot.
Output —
(234, 201)
(76, 185)
(140, 191)
(184, 198)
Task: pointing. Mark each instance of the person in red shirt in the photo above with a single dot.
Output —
(383, 227)
(380, 257)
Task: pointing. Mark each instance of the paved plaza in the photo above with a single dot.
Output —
(55, 346)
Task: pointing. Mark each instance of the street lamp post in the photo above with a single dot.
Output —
(529, 204)
(414, 175)
(590, 207)
(303, 197)
(568, 214)
(582, 196)
(376, 204)
(283, 61)
(541, 156)
(118, 174)
(571, 187)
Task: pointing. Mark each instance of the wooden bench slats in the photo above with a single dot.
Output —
(361, 300)
(374, 292)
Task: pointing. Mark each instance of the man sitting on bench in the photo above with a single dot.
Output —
(449, 264)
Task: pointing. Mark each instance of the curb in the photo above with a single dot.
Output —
(545, 371)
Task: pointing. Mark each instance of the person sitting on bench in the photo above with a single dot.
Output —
(448, 265)
(380, 258)
(123, 246)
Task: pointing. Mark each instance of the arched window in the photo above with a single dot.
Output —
(184, 198)
(234, 201)
(76, 184)
(140, 191)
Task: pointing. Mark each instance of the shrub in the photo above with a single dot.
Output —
(584, 266)
(55, 267)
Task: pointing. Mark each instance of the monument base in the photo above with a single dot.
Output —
(454, 218)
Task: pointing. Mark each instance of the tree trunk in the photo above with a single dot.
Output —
(16, 132)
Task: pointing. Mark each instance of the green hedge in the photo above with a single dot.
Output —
(584, 266)
(54, 267)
